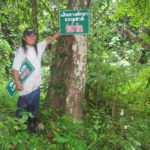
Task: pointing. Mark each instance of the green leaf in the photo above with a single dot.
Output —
(60, 139)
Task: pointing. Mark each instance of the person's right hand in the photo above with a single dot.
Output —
(57, 35)
(19, 87)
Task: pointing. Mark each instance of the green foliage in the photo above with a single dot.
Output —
(145, 37)
(138, 14)
(13, 131)
(68, 133)
(5, 51)
(14, 135)
(118, 85)
(116, 105)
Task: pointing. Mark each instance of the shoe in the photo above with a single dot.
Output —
(32, 125)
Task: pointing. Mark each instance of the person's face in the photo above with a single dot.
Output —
(30, 39)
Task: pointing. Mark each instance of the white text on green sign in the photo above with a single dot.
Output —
(74, 22)
(25, 71)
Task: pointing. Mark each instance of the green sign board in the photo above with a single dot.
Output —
(74, 22)
(25, 71)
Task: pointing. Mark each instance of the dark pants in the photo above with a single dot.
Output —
(29, 103)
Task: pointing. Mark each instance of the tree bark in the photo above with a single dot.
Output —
(67, 85)
(34, 15)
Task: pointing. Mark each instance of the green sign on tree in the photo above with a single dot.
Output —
(74, 21)
(25, 71)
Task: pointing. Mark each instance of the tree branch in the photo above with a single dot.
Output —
(105, 9)
(135, 38)
(47, 8)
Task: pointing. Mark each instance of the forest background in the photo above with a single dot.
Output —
(116, 102)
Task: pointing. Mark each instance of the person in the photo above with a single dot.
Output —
(29, 92)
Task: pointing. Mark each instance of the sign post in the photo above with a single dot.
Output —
(25, 71)
(74, 22)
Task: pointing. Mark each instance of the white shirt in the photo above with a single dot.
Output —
(34, 81)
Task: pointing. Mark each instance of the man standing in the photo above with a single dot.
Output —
(29, 92)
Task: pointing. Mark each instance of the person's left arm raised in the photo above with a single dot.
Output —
(49, 40)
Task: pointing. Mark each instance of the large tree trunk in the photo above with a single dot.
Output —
(67, 85)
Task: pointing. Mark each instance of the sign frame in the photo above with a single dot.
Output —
(82, 23)
(24, 73)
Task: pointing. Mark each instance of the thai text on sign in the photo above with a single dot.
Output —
(74, 21)
(25, 71)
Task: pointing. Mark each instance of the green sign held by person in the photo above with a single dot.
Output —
(25, 71)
